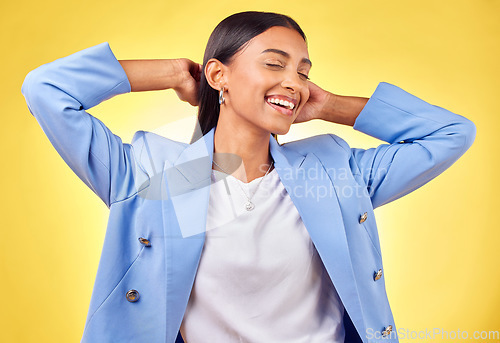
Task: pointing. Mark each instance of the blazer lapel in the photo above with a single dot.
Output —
(316, 200)
(186, 184)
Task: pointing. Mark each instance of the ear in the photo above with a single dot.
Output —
(215, 73)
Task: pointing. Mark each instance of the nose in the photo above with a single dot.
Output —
(292, 81)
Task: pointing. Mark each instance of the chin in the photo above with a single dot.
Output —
(281, 131)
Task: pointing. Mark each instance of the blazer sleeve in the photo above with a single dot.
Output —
(424, 140)
(59, 93)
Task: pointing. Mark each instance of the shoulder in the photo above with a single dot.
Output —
(152, 150)
(318, 145)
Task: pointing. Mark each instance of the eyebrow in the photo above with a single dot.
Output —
(287, 55)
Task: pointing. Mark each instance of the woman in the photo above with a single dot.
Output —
(234, 237)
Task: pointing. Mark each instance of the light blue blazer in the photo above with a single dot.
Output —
(157, 191)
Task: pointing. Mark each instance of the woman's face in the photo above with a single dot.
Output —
(273, 65)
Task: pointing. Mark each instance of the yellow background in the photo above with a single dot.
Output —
(439, 244)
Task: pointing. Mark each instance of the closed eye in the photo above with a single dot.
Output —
(274, 65)
(277, 65)
(307, 77)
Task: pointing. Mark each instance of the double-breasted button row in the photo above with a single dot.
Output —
(363, 217)
(145, 241)
(387, 331)
(378, 273)
(133, 294)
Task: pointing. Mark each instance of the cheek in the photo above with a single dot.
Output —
(249, 88)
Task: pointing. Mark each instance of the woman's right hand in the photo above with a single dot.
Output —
(187, 86)
(181, 74)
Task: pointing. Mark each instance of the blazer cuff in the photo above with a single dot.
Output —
(393, 115)
(115, 81)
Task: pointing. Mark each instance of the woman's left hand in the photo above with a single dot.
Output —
(315, 105)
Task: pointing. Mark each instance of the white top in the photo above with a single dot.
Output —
(260, 278)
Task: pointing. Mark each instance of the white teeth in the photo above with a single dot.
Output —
(285, 103)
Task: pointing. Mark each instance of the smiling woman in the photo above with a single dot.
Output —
(254, 74)
(235, 237)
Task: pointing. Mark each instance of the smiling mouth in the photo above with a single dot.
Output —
(281, 109)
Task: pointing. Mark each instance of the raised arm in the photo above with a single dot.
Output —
(59, 93)
(424, 140)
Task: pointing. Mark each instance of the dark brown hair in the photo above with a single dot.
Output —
(229, 37)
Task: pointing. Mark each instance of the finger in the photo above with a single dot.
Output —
(201, 71)
(193, 68)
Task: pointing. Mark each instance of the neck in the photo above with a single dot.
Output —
(241, 150)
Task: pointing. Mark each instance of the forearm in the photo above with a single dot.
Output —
(151, 74)
(343, 109)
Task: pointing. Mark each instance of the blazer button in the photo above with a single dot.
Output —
(132, 295)
(387, 331)
(377, 275)
(144, 241)
(363, 217)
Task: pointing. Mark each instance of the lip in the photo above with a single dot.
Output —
(282, 110)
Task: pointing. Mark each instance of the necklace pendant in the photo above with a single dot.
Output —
(249, 206)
